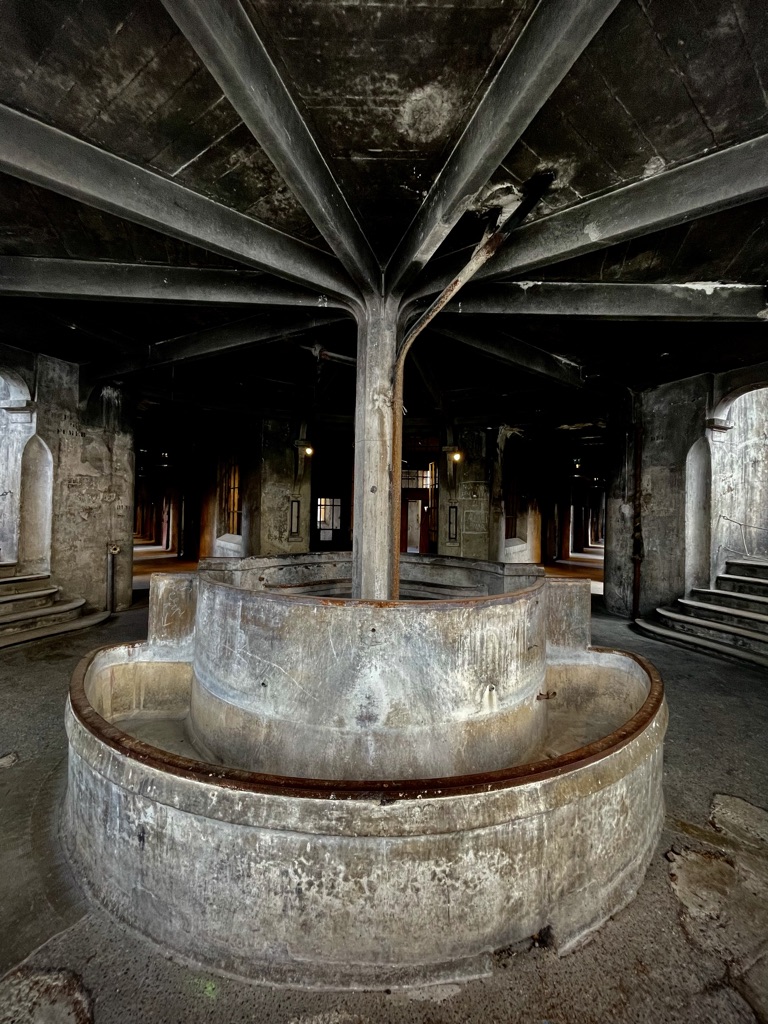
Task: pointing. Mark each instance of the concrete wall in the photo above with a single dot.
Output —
(692, 473)
(68, 471)
(674, 418)
(72, 480)
(526, 546)
(668, 421)
(740, 480)
(513, 461)
(93, 479)
(285, 476)
(273, 473)
(620, 510)
(465, 486)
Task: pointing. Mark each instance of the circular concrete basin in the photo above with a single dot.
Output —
(334, 877)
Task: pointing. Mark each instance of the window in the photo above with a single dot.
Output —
(510, 515)
(421, 479)
(453, 522)
(230, 512)
(295, 517)
(328, 517)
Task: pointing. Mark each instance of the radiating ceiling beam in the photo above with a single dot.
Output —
(142, 282)
(46, 156)
(696, 300)
(254, 330)
(718, 181)
(556, 34)
(227, 42)
(510, 350)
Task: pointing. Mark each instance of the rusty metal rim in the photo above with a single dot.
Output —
(385, 791)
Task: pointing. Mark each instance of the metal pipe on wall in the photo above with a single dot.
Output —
(113, 550)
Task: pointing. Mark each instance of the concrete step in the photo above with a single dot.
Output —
(719, 632)
(698, 643)
(39, 618)
(753, 567)
(742, 585)
(42, 597)
(730, 599)
(23, 584)
(52, 629)
(738, 617)
(7, 569)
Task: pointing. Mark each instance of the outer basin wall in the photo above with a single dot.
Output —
(353, 689)
(339, 892)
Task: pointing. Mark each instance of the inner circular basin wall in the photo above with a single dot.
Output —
(329, 574)
(342, 689)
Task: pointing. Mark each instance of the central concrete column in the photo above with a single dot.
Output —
(372, 538)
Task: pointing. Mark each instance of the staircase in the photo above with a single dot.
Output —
(731, 620)
(32, 608)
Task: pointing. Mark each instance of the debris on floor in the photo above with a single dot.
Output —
(9, 759)
(723, 889)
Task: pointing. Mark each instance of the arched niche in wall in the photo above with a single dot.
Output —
(698, 500)
(36, 507)
(17, 425)
(14, 393)
(739, 447)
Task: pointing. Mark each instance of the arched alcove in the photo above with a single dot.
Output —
(14, 393)
(35, 511)
(698, 513)
(17, 424)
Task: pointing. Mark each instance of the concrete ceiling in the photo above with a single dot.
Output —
(177, 167)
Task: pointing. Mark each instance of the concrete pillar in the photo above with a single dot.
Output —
(580, 527)
(621, 437)
(285, 477)
(496, 526)
(372, 539)
(564, 510)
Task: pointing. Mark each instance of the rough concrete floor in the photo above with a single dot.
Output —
(690, 948)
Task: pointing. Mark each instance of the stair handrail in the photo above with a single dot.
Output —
(743, 527)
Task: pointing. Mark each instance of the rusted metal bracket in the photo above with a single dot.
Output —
(502, 224)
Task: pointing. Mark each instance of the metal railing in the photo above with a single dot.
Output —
(743, 527)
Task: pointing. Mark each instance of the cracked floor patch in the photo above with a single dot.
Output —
(723, 890)
(44, 997)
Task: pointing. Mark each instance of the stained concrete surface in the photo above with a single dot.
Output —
(642, 966)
